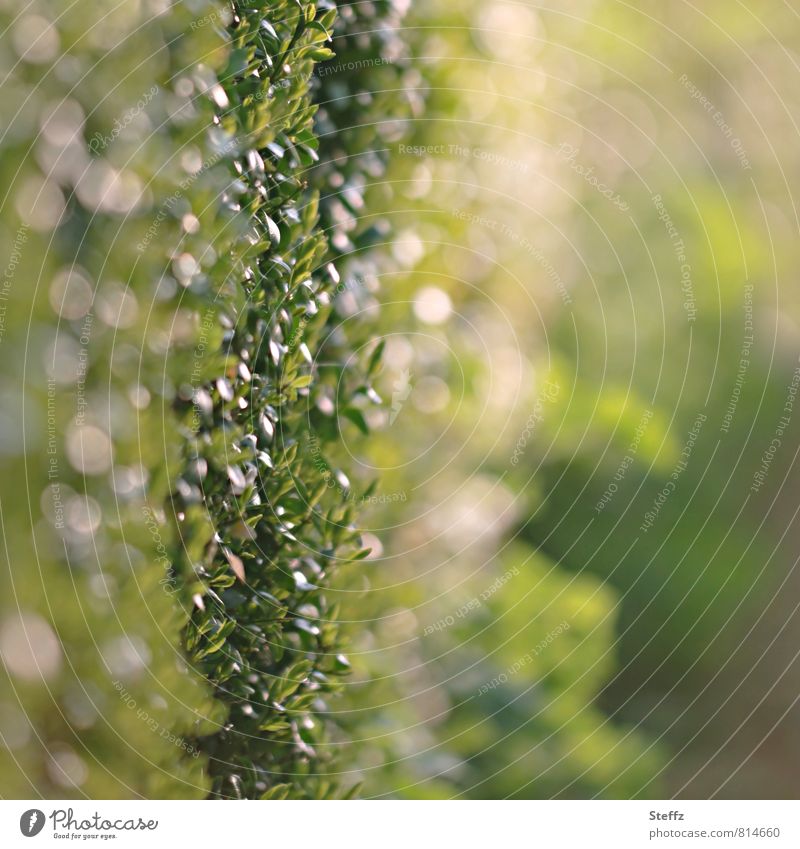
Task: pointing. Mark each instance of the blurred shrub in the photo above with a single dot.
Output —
(476, 665)
(677, 360)
(101, 132)
(167, 291)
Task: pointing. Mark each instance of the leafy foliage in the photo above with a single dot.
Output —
(265, 517)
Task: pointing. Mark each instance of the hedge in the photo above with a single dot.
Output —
(170, 517)
(265, 516)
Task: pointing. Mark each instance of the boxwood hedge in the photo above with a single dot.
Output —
(264, 515)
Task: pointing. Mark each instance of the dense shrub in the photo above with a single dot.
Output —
(264, 514)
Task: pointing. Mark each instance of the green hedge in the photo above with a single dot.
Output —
(170, 516)
(265, 516)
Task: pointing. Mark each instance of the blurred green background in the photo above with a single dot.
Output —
(579, 482)
(591, 345)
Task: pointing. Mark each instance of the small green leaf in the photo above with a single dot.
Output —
(277, 791)
(357, 418)
(375, 358)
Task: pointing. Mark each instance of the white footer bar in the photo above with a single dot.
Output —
(410, 825)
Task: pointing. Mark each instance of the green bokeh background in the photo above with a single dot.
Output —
(521, 628)
(667, 304)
